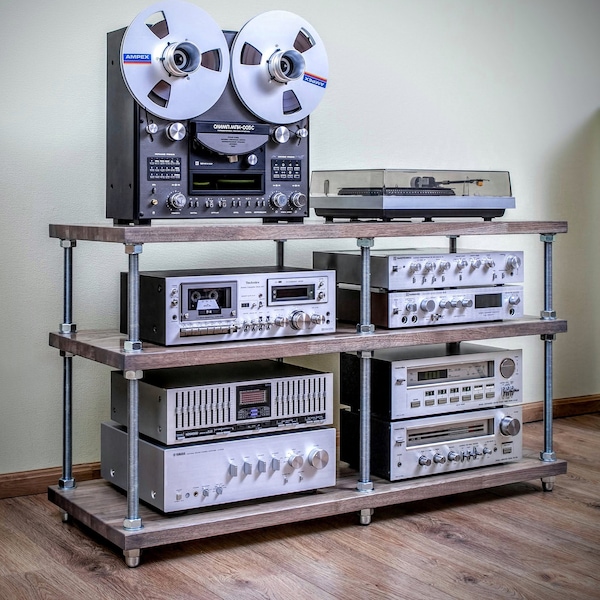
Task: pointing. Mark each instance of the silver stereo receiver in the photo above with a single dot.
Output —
(222, 305)
(434, 379)
(433, 445)
(192, 404)
(415, 269)
(432, 307)
(203, 475)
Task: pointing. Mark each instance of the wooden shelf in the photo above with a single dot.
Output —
(101, 507)
(106, 347)
(310, 229)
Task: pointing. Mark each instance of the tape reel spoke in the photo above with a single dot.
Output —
(175, 60)
(279, 67)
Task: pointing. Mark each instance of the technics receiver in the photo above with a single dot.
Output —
(434, 379)
(413, 269)
(218, 305)
(192, 404)
(177, 478)
(439, 444)
(432, 307)
(208, 124)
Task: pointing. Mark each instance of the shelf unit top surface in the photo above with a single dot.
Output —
(106, 346)
(310, 229)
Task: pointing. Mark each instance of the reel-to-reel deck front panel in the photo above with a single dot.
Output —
(204, 123)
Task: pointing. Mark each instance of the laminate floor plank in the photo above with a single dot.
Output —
(514, 541)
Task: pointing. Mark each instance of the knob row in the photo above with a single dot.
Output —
(318, 458)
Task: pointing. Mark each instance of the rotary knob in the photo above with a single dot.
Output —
(300, 320)
(251, 159)
(510, 426)
(424, 461)
(512, 263)
(281, 134)
(317, 319)
(444, 266)
(318, 458)
(152, 128)
(298, 199)
(514, 300)
(411, 306)
(278, 200)
(454, 456)
(507, 368)
(302, 133)
(439, 459)
(414, 267)
(176, 201)
(176, 132)
(427, 305)
(488, 263)
(295, 461)
(461, 264)
(475, 263)
(465, 303)
(281, 321)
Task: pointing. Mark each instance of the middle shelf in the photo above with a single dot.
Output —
(106, 346)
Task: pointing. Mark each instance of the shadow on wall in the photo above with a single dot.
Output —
(574, 196)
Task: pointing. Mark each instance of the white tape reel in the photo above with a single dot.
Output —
(279, 67)
(175, 60)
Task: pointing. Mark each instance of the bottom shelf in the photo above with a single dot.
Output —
(102, 508)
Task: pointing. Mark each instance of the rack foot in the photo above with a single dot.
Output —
(548, 483)
(65, 517)
(132, 557)
(365, 515)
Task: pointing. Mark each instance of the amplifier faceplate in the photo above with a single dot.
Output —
(432, 445)
(434, 379)
(417, 269)
(202, 475)
(193, 404)
(395, 310)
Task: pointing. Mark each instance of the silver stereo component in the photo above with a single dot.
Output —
(202, 475)
(433, 445)
(191, 404)
(432, 307)
(413, 269)
(434, 379)
(210, 124)
(221, 305)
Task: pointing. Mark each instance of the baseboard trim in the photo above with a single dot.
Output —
(36, 482)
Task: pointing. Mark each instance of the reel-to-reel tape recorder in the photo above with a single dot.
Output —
(204, 123)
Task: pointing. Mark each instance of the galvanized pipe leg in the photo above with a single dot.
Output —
(365, 328)
(548, 314)
(67, 326)
(133, 521)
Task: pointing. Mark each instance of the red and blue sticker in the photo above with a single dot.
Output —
(315, 80)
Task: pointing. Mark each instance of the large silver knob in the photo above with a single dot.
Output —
(427, 305)
(512, 263)
(298, 199)
(282, 134)
(278, 200)
(510, 426)
(251, 159)
(295, 461)
(300, 320)
(176, 200)
(176, 132)
(318, 458)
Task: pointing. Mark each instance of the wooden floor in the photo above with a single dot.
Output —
(510, 542)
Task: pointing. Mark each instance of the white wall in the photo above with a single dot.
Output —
(439, 84)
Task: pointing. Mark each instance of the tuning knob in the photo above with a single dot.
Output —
(510, 426)
(278, 200)
(298, 199)
(300, 320)
(176, 201)
(318, 458)
(176, 132)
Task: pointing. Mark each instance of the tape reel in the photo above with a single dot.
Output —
(279, 67)
(175, 60)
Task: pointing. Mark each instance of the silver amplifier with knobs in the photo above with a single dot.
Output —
(177, 478)
(432, 307)
(234, 304)
(417, 269)
(434, 379)
(440, 444)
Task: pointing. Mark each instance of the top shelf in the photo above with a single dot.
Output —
(310, 229)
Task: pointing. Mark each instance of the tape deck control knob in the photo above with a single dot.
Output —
(176, 201)
(281, 134)
(300, 320)
(278, 200)
(176, 132)
(510, 426)
(251, 159)
(298, 199)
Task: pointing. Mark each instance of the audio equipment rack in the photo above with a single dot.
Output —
(121, 519)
